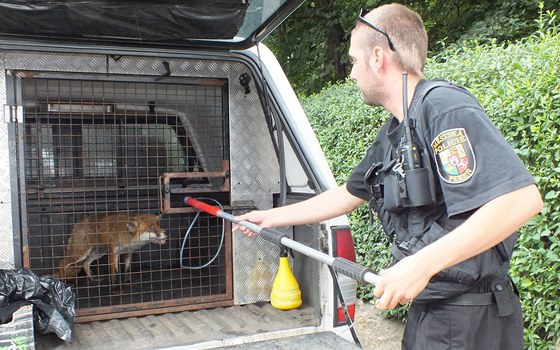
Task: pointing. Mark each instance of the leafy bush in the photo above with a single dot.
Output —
(519, 86)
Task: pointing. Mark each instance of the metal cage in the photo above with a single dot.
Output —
(95, 146)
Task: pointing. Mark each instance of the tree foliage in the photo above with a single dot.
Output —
(312, 44)
(518, 85)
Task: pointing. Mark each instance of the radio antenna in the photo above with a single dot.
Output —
(406, 120)
(408, 150)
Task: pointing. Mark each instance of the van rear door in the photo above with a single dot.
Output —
(179, 24)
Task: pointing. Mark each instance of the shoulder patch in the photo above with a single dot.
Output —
(454, 156)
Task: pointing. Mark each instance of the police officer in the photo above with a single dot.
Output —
(452, 246)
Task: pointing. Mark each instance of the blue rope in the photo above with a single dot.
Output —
(189, 232)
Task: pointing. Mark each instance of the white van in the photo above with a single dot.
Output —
(126, 108)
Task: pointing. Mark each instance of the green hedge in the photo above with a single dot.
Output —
(519, 86)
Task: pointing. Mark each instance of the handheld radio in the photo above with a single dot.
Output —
(408, 151)
(416, 183)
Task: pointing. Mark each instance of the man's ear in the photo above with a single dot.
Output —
(377, 58)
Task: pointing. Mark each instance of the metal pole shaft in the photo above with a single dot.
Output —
(341, 265)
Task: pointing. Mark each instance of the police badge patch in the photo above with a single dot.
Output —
(454, 156)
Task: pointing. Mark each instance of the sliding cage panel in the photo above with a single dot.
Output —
(95, 152)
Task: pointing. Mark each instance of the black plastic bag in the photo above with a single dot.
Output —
(54, 310)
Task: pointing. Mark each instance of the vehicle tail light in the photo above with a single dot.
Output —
(343, 246)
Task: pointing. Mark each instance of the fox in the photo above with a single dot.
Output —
(113, 235)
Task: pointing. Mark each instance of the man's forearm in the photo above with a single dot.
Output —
(332, 203)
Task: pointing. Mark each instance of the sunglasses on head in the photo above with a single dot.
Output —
(361, 18)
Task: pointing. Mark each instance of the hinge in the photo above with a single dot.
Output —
(13, 114)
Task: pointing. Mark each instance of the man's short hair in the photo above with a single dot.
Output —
(406, 30)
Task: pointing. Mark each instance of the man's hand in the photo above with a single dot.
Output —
(401, 283)
(257, 217)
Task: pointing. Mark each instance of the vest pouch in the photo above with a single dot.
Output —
(386, 218)
(384, 187)
(419, 187)
(393, 193)
(374, 181)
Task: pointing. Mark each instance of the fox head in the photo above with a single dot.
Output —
(146, 228)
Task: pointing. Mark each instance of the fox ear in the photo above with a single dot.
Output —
(132, 225)
(158, 217)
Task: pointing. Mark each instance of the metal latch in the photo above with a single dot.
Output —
(323, 238)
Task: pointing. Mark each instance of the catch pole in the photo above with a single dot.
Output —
(340, 265)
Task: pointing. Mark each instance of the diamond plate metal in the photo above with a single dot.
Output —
(254, 165)
(54, 61)
(5, 192)
(254, 177)
(6, 237)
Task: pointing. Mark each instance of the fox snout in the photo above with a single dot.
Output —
(158, 237)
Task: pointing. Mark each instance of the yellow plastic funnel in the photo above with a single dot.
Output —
(285, 294)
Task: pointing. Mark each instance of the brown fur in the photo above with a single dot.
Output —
(111, 235)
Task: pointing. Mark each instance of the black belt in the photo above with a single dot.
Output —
(470, 299)
(482, 299)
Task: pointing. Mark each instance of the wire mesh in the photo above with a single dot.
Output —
(95, 151)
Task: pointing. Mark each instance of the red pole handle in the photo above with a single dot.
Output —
(203, 206)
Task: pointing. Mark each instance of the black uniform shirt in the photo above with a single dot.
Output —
(474, 162)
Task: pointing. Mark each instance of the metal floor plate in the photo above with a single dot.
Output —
(314, 341)
(182, 329)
